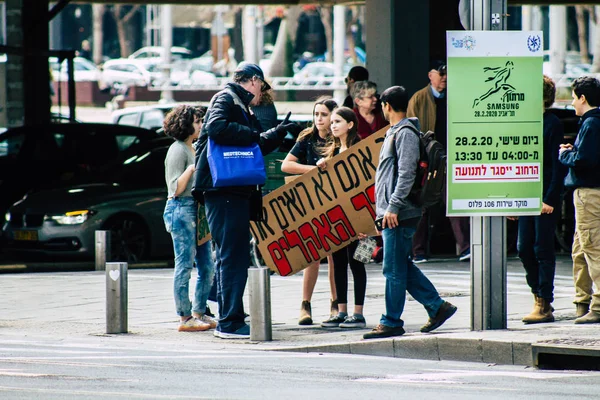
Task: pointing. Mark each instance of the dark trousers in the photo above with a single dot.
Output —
(228, 218)
(460, 227)
(341, 258)
(535, 247)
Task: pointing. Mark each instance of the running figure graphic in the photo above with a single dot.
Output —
(499, 76)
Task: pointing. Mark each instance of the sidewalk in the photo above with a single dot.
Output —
(70, 306)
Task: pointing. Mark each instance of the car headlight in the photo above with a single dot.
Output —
(72, 217)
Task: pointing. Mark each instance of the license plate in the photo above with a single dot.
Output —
(26, 235)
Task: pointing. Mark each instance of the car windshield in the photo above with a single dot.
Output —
(142, 169)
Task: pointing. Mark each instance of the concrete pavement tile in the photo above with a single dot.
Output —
(382, 348)
(424, 348)
(497, 352)
(460, 349)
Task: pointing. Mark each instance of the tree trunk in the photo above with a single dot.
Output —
(280, 56)
(596, 62)
(582, 34)
(98, 33)
(122, 31)
(353, 12)
(325, 12)
(291, 16)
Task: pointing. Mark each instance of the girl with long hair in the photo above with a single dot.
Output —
(303, 158)
(344, 126)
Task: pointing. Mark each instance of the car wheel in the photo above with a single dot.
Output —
(129, 239)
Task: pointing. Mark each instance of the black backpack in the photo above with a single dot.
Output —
(430, 181)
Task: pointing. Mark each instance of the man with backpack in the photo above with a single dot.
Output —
(429, 105)
(399, 216)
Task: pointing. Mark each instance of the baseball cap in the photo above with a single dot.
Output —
(250, 70)
(439, 66)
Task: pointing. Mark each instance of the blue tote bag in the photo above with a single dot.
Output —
(236, 165)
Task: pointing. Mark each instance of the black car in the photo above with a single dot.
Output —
(37, 155)
(126, 198)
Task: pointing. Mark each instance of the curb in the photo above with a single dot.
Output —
(434, 348)
(73, 266)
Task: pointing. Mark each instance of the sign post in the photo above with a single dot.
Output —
(495, 150)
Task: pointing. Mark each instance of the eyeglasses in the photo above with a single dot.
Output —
(369, 97)
(263, 85)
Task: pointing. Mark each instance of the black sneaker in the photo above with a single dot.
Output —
(208, 313)
(354, 321)
(446, 311)
(333, 322)
(383, 331)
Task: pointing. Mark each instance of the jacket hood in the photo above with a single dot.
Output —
(242, 93)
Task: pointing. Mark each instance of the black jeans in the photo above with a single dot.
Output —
(536, 250)
(341, 259)
(228, 218)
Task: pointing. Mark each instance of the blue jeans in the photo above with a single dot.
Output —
(402, 275)
(535, 247)
(181, 217)
(228, 218)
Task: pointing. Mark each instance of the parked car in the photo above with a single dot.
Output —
(58, 152)
(310, 74)
(84, 70)
(127, 198)
(128, 72)
(155, 53)
(149, 117)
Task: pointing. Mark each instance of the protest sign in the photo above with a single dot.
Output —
(321, 211)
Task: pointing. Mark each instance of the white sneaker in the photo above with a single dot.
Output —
(208, 320)
(193, 325)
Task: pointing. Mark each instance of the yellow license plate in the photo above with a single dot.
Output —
(26, 235)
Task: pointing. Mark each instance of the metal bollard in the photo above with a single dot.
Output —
(102, 249)
(116, 297)
(260, 304)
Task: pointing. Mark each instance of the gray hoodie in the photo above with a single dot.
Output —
(397, 170)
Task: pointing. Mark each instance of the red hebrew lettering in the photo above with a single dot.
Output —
(344, 229)
(279, 258)
(371, 193)
(294, 240)
(312, 242)
(360, 201)
(324, 232)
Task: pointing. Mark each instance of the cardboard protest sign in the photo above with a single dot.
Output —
(321, 211)
(203, 232)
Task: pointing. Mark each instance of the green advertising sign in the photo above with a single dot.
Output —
(495, 112)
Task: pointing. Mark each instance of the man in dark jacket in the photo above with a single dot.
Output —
(536, 232)
(583, 160)
(229, 121)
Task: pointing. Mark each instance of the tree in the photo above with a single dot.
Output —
(123, 14)
(98, 32)
(326, 18)
(581, 14)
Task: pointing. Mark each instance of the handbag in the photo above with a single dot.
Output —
(364, 250)
(236, 165)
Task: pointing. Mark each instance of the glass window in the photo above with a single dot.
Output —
(152, 119)
(125, 141)
(11, 146)
(128, 119)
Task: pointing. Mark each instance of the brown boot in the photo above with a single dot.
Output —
(334, 308)
(542, 312)
(591, 317)
(305, 314)
(582, 309)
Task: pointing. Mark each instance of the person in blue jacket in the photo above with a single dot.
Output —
(583, 160)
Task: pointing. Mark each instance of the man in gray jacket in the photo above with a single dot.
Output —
(394, 180)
